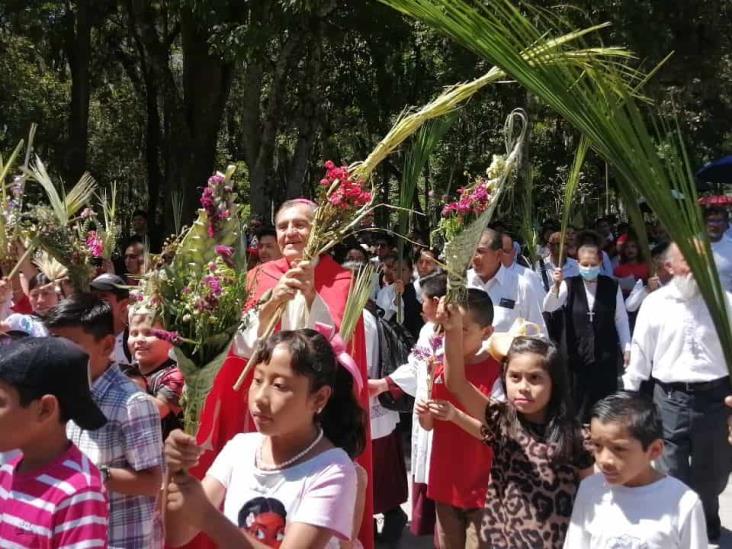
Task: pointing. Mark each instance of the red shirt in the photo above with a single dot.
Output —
(636, 270)
(23, 306)
(460, 464)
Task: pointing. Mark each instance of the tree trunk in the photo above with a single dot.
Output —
(309, 119)
(206, 85)
(78, 50)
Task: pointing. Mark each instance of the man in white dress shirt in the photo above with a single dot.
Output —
(546, 265)
(512, 296)
(675, 342)
(717, 223)
(509, 252)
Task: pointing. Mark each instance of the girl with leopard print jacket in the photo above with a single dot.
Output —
(539, 451)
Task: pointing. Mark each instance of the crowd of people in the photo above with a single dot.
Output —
(573, 401)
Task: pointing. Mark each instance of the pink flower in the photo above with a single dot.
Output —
(224, 251)
(94, 244)
(171, 337)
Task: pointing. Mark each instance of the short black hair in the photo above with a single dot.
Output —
(407, 260)
(590, 237)
(26, 395)
(495, 238)
(83, 310)
(635, 412)
(266, 231)
(715, 210)
(140, 213)
(434, 285)
(38, 281)
(480, 307)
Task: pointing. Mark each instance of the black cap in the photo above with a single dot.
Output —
(53, 366)
(110, 283)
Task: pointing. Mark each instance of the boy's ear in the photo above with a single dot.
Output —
(108, 342)
(48, 408)
(655, 450)
(488, 331)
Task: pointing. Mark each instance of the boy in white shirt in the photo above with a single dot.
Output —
(630, 504)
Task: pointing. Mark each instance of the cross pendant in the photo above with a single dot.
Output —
(591, 314)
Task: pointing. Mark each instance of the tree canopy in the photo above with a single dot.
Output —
(156, 95)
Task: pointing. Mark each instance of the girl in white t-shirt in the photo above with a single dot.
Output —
(293, 483)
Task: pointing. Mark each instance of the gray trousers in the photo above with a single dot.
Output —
(695, 434)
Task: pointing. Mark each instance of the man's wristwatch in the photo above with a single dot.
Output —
(106, 473)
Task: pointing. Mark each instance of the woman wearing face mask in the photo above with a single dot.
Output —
(595, 328)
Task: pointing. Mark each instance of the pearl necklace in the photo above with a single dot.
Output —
(284, 464)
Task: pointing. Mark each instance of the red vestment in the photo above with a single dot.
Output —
(226, 413)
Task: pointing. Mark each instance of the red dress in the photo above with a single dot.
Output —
(226, 413)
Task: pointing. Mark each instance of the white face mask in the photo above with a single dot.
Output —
(686, 286)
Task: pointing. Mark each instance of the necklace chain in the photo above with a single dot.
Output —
(278, 466)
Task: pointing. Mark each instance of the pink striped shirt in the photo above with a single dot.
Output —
(61, 506)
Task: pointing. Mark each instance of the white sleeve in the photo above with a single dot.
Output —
(641, 350)
(296, 316)
(386, 300)
(533, 305)
(578, 537)
(554, 301)
(329, 499)
(245, 340)
(693, 528)
(622, 325)
(371, 332)
(636, 297)
(406, 376)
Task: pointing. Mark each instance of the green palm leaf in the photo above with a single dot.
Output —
(569, 190)
(64, 206)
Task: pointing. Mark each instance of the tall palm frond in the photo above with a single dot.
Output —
(358, 296)
(425, 142)
(64, 206)
(569, 189)
(600, 99)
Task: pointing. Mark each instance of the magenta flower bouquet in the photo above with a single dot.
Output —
(197, 290)
(464, 220)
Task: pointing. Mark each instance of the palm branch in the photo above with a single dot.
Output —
(64, 206)
(601, 101)
(425, 142)
(358, 296)
(569, 189)
(527, 228)
(5, 204)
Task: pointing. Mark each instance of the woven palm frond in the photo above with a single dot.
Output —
(50, 267)
(459, 250)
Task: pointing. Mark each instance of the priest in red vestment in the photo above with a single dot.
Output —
(314, 291)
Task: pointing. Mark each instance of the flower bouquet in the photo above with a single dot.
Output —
(100, 236)
(197, 289)
(55, 229)
(464, 221)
